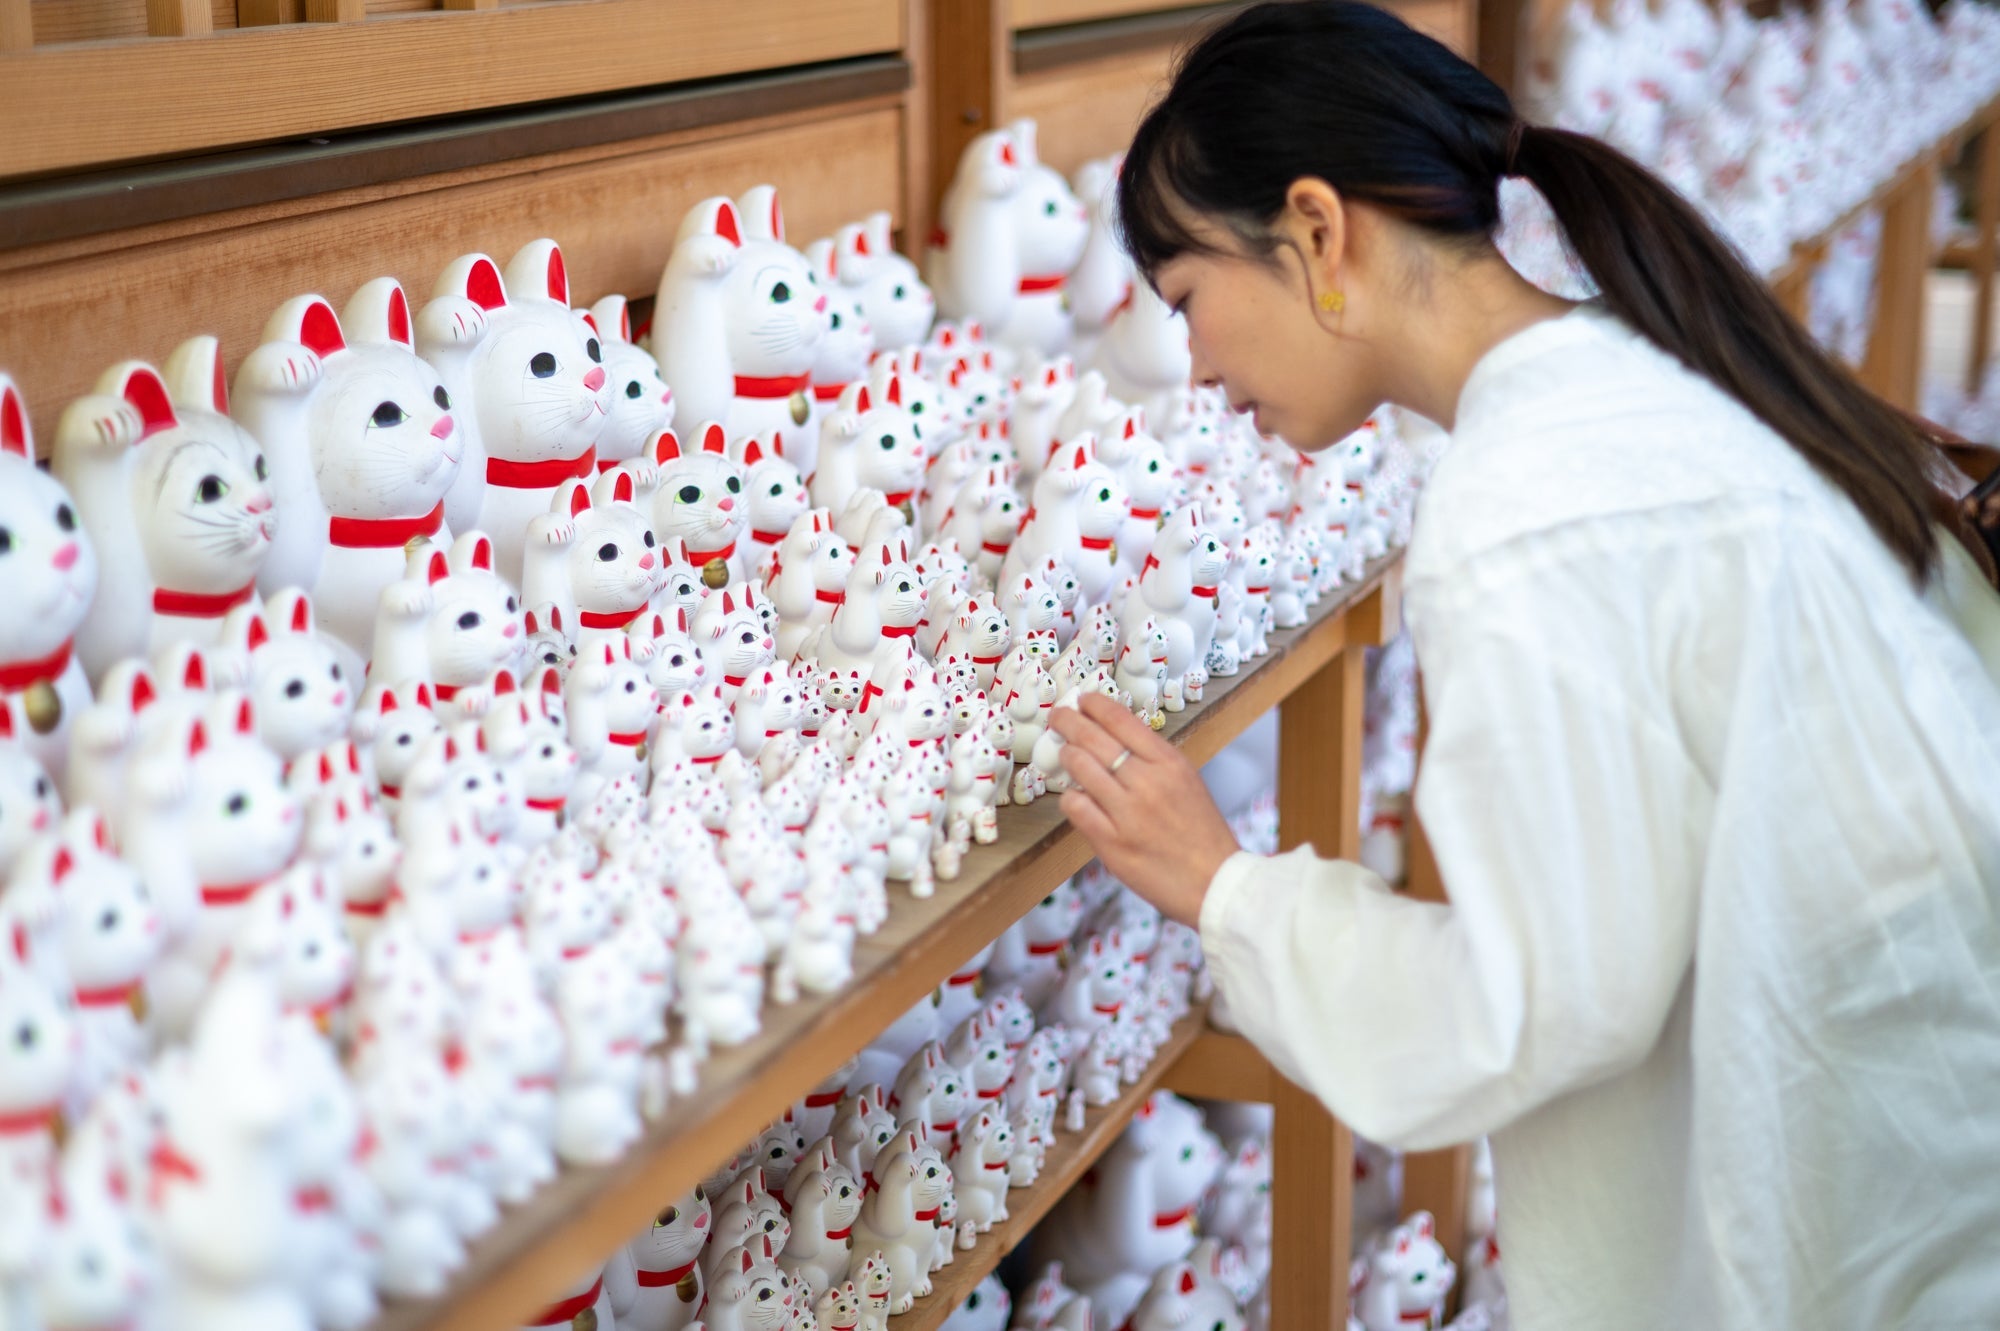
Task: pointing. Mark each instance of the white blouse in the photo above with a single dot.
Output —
(1715, 794)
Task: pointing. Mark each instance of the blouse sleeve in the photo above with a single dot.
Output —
(1567, 822)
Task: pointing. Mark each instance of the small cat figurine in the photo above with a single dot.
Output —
(839, 1309)
(49, 566)
(898, 306)
(191, 485)
(533, 388)
(849, 341)
(738, 322)
(611, 564)
(362, 445)
(641, 402)
(304, 697)
(452, 622)
(667, 1290)
(774, 495)
(700, 503)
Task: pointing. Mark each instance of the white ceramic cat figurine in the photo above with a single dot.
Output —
(824, 1207)
(738, 322)
(899, 1218)
(304, 697)
(1179, 1298)
(110, 936)
(873, 627)
(1079, 508)
(610, 567)
(1408, 1278)
(1144, 355)
(843, 353)
(1009, 233)
(363, 444)
(50, 564)
(641, 402)
(1104, 276)
(1136, 1213)
(869, 440)
(813, 564)
(700, 502)
(533, 388)
(666, 1292)
(35, 1066)
(191, 484)
(897, 304)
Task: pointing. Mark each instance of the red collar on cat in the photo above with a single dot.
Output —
(897, 499)
(1172, 1218)
(383, 533)
(1048, 282)
(828, 392)
(700, 557)
(766, 537)
(629, 738)
(783, 385)
(28, 1120)
(931, 1214)
(117, 995)
(831, 598)
(229, 894)
(1203, 592)
(200, 605)
(1143, 514)
(19, 676)
(562, 1314)
(617, 619)
(540, 475)
(899, 630)
(1094, 542)
(661, 1279)
(547, 804)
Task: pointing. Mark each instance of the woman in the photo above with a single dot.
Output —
(1713, 769)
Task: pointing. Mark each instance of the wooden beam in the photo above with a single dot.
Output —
(1894, 363)
(336, 11)
(471, 4)
(1220, 1066)
(17, 26)
(179, 18)
(1986, 211)
(150, 99)
(968, 69)
(1312, 1212)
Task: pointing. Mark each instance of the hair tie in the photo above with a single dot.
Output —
(1515, 133)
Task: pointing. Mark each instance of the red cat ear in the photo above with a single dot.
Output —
(302, 616)
(551, 680)
(621, 488)
(558, 277)
(1007, 155)
(533, 626)
(777, 218)
(142, 691)
(725, 223)
(753, 453)
(591, 319)
(319, 329)
(682, 615)
(579, 498)
(425, 698)
(885, 556)
(483, 286)
(503, 682)
(749, 1262)
(246, 718)
(197, 738)
(728, 605)
(387, 702)
(896, 389)
(713, 440)
(399, 317)
(439, 570)
(1187, 1281)
(256, 635)
(64, 864)
(6, 723)
(555, 618)
(14, 422)
(666, 446)
(325, 769)
(195, 676)
(141, 386)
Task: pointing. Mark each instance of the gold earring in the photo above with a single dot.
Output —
(1332, 302)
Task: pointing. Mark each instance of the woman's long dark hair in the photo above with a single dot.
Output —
(1349, 94)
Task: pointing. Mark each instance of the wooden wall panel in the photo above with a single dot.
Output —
(67, 107)
(69, 312)
(1044, 13)
(87, 20)
(1089, 109)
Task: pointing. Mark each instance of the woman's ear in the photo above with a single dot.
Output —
(1316, 221)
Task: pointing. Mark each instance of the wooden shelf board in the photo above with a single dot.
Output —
(93, 103)
(1073, 1153)
(573, 1223)
(1048, 13)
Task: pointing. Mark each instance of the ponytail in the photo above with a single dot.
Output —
(1349, 94)
(1664, 271)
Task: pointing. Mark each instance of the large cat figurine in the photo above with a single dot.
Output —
(641, 402)
(1010, 231)
(363, 443)
(533, 389)
(898, 306)
(656, 1280)
(49, 567)
(191, 487)
(738, 323)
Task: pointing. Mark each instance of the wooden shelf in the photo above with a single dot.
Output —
(1073, 1153)
(1220, 1066)
(571, 1225)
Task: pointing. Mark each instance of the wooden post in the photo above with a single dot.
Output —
(1894, 362)
(179, 18)
(1986, 211)
(17, 26)
(1312, 1195)
(970, 63)
(336, 11)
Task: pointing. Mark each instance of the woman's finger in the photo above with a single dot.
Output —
(1089, 817)
(1095, 776)
(1083, 733)
(1130, 732)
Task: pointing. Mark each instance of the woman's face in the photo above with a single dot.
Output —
(1257, 334)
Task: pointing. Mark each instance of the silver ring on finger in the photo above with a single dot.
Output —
(1124, 756)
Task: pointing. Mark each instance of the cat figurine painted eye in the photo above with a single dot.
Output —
(739, 322)
(700, 503)
(362, 442)
(533, 388)
(191, 485)
(642, 404)
(49, 565)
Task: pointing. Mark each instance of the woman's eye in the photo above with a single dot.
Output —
(780, 294)
(690, 494)
(388, 414)
(211, 489)
(543, 366)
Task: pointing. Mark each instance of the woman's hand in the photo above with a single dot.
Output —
(1151, 820)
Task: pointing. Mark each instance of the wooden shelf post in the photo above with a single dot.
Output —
(17, 26)
(1312, 1193)
(1985, 244)
(1894, 363)
(969, 68)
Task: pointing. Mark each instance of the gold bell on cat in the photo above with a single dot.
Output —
(801, 408)
(43, 706)
(584, 1321)
(715, 574)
